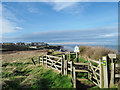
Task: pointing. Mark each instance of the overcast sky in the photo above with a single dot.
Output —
(60, 22)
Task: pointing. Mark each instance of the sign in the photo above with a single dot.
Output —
(112, 56)
(104, 62)
(76, 49)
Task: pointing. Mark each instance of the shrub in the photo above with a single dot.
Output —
(94, 52)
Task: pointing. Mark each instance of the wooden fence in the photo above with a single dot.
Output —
(97, 70)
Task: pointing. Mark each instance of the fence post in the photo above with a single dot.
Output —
(66, 67)
(33, 61)
(72, 70)
(39, 60)
(112, 75)
(42, 61)
(62, 69)
(105, 71)
(89, 70)
(46, 61)
(101, 78)
(69, 56)
(74, 78)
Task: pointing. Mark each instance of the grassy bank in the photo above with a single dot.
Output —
(24, 74)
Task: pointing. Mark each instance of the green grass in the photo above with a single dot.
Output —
(24, 74)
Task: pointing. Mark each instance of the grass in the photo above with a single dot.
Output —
(26, 75)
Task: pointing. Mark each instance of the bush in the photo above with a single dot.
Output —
(94, 52)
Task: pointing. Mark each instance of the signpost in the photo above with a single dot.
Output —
(105, 71)
(76, 49)
(112, 56)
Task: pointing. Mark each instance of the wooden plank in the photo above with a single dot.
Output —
(82, 79)
(105, 71)
(94, 61)
(117, 65)
(81, 63)
(46, 62)
(65, 67)
(62, 70)
(117, 75)
(96, 68)
(101, 78)
(69, 69)
(74, 78)
(58, 66)
(38, 59)
(42, 60)
(69, 62)
(49, 63)
(95, 83)
(50, 60)
(53, 56)
(97, 74)
(112, 75)
(71, 66)
(81, 71)
(98, 81)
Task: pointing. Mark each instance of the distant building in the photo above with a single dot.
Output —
(38, 44)
(20, 43)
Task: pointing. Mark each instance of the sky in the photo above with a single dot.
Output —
(60, 22)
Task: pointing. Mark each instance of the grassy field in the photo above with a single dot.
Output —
(23, 74)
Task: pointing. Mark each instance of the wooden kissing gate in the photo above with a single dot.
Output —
(97, 70)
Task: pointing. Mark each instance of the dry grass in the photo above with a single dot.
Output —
(18, 55)
(94, 52)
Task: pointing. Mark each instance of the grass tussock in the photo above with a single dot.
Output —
(94, 52)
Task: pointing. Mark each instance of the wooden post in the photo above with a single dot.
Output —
(76, 56)
(39, 60)
(69, 56)
(74, 78)
(101, 80)
(46, 61)
(88, 70)
(105, 71)
(66, 67)
(33, 61)
(72, 70)
(42, 61)
(112, 75)
(62, 69)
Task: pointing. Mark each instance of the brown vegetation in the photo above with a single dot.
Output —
(94, 52)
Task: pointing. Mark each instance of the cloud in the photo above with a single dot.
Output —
(58, 6)
(83, 36)
(68, 7)
(71, 43)
(109, 35)
(20, 28)
(8, 21)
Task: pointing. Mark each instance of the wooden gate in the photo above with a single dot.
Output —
(95, 72)
(54, 62)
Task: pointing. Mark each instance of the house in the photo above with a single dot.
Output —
(38, 44)
(20, 43)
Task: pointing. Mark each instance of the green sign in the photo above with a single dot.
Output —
(104, 62)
